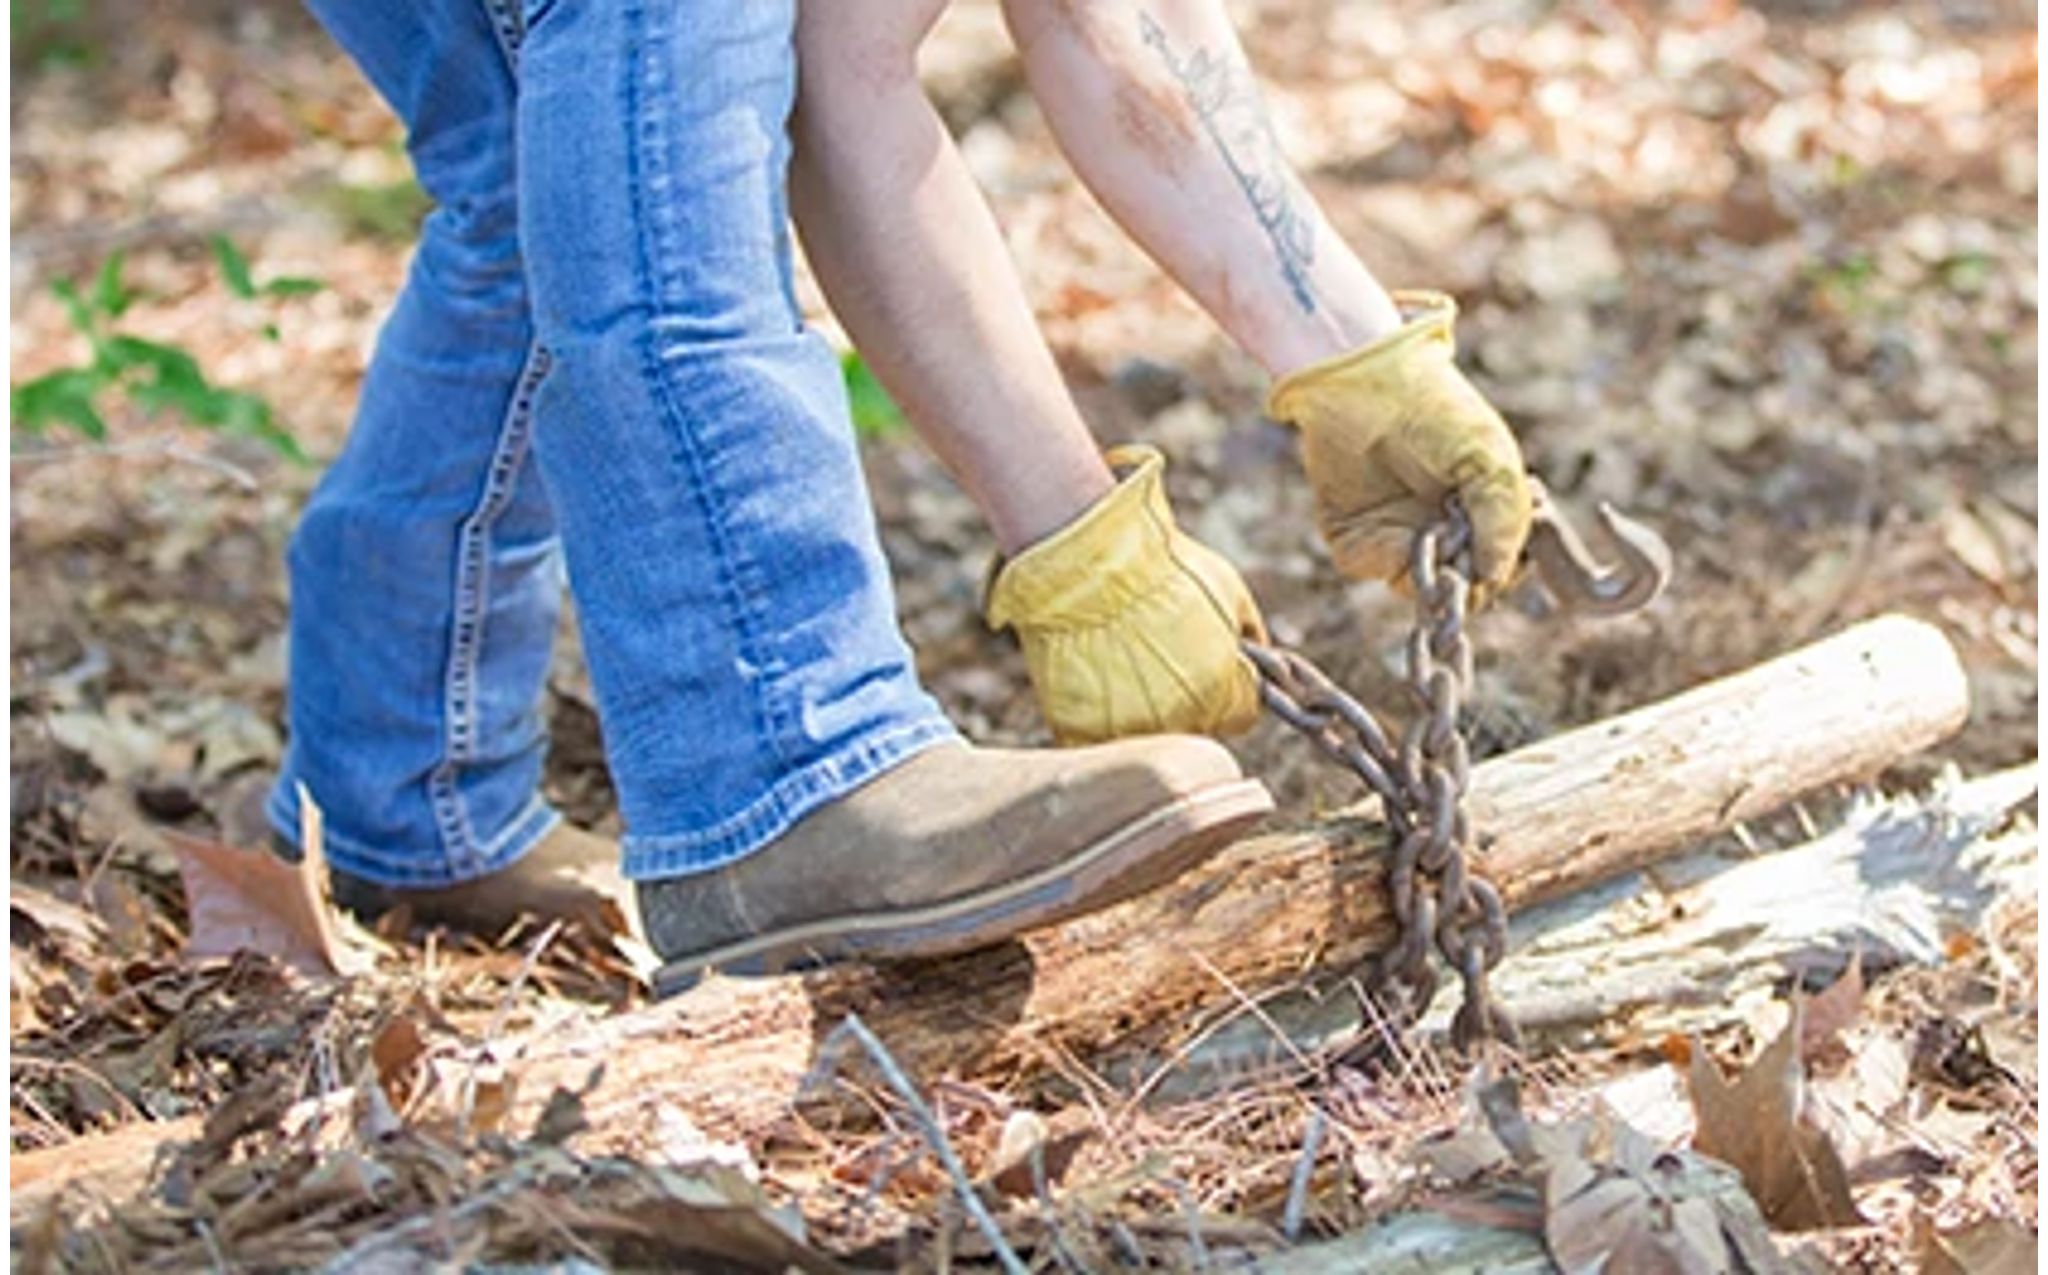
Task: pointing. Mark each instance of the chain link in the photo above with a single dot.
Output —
(1421, 778)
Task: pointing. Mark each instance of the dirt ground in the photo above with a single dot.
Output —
(1764, 275)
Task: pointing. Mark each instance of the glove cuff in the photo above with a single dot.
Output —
(1088, 572)
(1429, 318)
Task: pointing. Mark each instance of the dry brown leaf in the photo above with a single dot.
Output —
(1832, 1011)
(719, 1213)
(1993, 1246)
(242, 899)
(1973, 545)
(395, 1052)
(1029, 1140)
(1757, 1126)
(1460, 1157)
(56, 920)
(1615, 1200)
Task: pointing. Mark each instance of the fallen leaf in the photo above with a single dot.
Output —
(1614, 1201)
(119, 740)
(57, 920)
(1757, 1126)
(561, 1118)
(719, 1213)
(1832, 1011)
(1030, 1151)
(1994, 1246)
(1973, 545)
(394, 1052)
(242, 899)
(1460, 1157)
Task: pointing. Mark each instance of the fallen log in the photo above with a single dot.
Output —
(1892, 885)
(1122, 991)
(1696, 943)
(1134, 988)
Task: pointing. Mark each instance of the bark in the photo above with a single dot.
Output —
(1129, 992)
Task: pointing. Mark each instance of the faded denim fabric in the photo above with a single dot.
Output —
(597, 361)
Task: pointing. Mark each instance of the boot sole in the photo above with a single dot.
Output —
(1133, 860)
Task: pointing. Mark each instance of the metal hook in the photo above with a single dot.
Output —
(1577, 579)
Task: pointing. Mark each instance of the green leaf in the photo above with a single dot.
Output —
(250, 417)
(61, 397)
(875, 414)
(292, 286)
(171, 364)
(234, 267)
(110, 296)
(81, 315)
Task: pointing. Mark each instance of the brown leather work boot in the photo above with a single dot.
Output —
(956, 848)
(569, 875)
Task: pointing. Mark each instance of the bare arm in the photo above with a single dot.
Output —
(915, 267)
(1157, 109)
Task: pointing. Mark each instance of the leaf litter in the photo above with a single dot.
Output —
(1765, 272)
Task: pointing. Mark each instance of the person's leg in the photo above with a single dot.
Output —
(425, 573)
(788, 789)
(735, 606)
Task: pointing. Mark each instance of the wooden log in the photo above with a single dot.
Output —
(1127, 988)
(1892, 884)
(1136, 984)
(1699, 942)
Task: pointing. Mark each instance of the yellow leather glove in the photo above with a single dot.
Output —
(1390, 430)
(1130, 627)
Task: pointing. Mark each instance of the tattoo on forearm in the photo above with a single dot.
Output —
(1226, 100)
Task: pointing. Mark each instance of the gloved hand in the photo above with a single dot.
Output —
(1390, 430)
(1130, 627)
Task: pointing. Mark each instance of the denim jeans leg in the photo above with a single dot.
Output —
(735, 606)
(426, 574)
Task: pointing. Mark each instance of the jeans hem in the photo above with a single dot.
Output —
(794, 796)
(521, 834)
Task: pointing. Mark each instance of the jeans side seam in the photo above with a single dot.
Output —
(508, 23)
(472, 603)
(657, 242)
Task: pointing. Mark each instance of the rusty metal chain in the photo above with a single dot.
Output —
(1421, 780)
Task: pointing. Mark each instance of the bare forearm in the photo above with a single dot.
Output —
(915, 267)
(1157, 109)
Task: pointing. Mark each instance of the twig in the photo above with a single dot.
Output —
(1049, 1213)
(351, 1258)
(828, 1055)
(213, 1248)
(505, 1002)
(1304, 1169)
(1251, 1007)
(1245, 1004)
(1197, 1248)
(164, 450)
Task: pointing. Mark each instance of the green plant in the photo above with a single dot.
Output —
(49, 33)
(150, 376)
(875, 414)
(234, 271)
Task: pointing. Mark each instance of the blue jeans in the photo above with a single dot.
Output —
(597, 362)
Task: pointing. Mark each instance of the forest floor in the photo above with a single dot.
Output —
(1763, 275)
